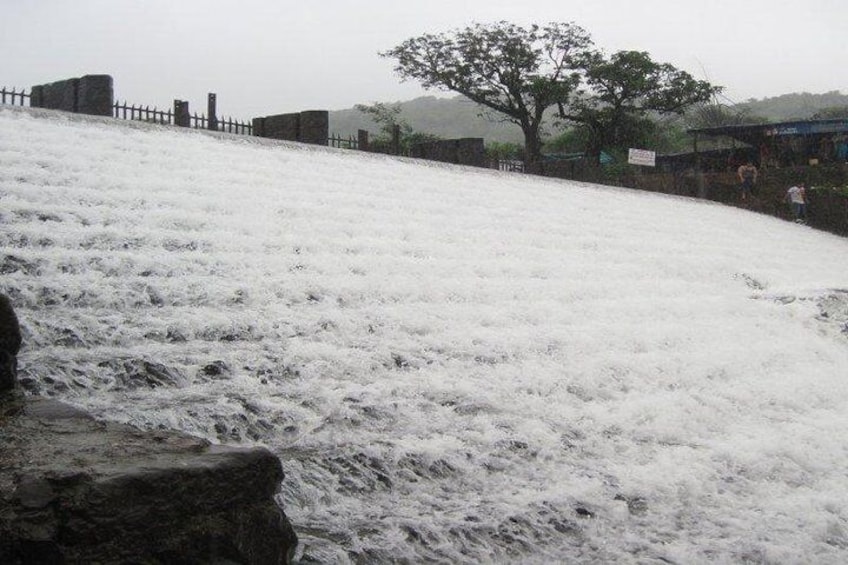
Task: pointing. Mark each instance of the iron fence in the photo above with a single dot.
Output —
(349, 142)
(510, 165)
(172, 117)
(142, 114)
(179, 115)
(125, 111)
(13, 95)
(228, 125)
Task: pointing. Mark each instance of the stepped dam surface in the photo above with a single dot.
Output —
(453, 365)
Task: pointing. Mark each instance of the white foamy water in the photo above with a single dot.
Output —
(455, 365)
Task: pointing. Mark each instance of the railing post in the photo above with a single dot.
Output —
(211, 111)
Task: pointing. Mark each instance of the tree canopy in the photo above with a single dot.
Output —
(519, 73)
(622, 90)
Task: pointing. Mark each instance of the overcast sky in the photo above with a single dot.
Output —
(272, 56)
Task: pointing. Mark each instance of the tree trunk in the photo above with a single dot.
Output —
(532, 150)
(596, 146)
(593, 155)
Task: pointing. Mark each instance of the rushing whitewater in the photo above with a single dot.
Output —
(455, 365)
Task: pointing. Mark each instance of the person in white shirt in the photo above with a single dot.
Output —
(796, 196)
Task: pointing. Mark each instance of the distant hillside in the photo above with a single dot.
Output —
(459, 117)
(795, 106)
(445, 117)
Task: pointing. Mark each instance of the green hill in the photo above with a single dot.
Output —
(445, 117)
(795, 106)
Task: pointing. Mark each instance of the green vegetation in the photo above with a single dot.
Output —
(457, 116)
(840, 190)
(499, 151)
(446, 117)
(388, 118)
(625, 94)
(832, 113)
(663, 135)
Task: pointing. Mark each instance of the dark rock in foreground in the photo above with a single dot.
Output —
(10, 344)
(75, 490)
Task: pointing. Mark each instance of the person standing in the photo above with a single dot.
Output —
(747, 174)
(797, 198)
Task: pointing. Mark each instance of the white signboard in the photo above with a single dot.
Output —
(642, 157)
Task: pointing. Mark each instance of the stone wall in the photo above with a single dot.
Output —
(827, 209)
(91, 94)
(310, 126)
(464, 151)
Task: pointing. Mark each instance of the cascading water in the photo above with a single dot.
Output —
(454, 365)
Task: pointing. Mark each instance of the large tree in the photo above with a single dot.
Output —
(622, 91)
(517, 72)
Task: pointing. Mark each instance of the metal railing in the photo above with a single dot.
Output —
(11, 96)
(180, 116)
(349, 142)
(177, 117)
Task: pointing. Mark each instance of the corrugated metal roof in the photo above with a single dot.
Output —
(746, 132)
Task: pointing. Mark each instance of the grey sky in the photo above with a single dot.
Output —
(266, 56)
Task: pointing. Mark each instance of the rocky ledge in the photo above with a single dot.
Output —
(77, 490)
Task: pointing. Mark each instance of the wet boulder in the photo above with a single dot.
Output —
(77, 490)
(10, 344)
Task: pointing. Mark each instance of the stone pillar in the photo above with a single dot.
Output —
(181, 116)
(91, 94)
(314, 127)
(60, 95)
(282, 126)
(211, 112)
(10, 344)
(362, 140)
(36, 99)
(471, 151)
(418, 150)
(395, 139)
(95, 95)
(311, 126)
